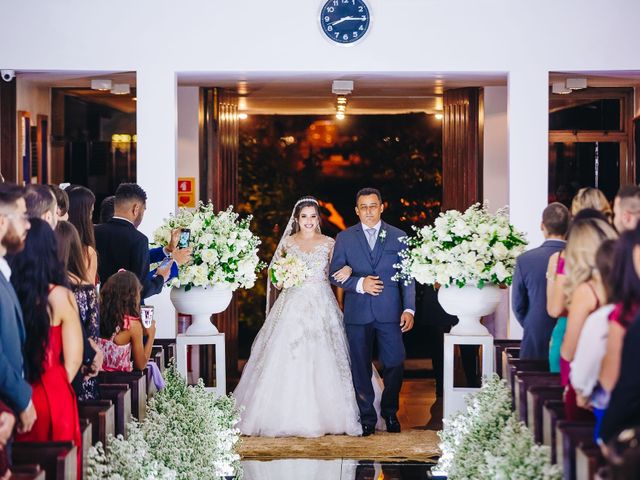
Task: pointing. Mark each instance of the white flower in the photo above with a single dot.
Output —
(209, 256)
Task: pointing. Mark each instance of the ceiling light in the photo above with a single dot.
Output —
(341, 100)
(101, 84)
(342, 87)
(340, 116)
(559, 88)
(121, 89)
(439, 116)
(341, 108)
(243, 116)
(576, 83)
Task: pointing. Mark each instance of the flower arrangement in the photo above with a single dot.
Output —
(288, 271)
(188, 433)
(487, 441)
(224, 250)
(475, 247)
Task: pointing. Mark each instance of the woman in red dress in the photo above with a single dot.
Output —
(53, 346)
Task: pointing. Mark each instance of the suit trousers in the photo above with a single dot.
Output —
(391, 354)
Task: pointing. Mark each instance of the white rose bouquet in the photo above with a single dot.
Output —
(224, 250)
(288, 271)
(475, 247)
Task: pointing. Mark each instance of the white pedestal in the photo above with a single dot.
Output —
(454, 397)
(218, 340)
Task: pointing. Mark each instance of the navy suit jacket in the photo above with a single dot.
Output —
(352, 249)
(14, 389)
(121, 245)
(529, 299)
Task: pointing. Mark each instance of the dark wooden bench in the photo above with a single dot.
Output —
(499, 345)
(526, 380)
(536, 397)
(589, 460)
(516, 365)
(120, 396)
(552, 412)
(27, 472)
(101, 414)
(569, 435)
(157, 356)
(169, 347)
(137, 382)
(59, 460)
(86, 434)
(508, 354)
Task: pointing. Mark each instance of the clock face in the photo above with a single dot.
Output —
(345, 21)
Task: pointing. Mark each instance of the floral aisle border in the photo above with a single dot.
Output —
(188, 433)
(487, 441)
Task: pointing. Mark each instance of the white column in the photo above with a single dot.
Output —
(528, 155)
(156, 166)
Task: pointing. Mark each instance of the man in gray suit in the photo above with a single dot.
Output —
(529, 289)
(14, 389)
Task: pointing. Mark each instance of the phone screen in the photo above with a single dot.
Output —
(185, 233)
(146, 315)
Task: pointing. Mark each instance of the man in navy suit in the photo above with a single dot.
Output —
(14, 389)
(529, 289)
(375, 306)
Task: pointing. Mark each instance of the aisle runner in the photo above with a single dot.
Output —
(418, 445)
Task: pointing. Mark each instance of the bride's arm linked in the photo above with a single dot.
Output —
(344, 273)
(338, 262)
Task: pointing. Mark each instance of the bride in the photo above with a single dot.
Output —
(297, 381)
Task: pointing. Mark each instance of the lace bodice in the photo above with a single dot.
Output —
(317, 259)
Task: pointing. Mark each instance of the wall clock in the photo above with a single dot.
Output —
(345, 21)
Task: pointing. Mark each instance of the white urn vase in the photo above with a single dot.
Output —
(201, 303)
(469, 304)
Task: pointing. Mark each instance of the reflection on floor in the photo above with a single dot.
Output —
(340, 469)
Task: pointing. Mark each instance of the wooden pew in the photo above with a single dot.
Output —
(157, 355)
(137, 382)
(508, 354)
(86, 433)
(120, 396)
(516, 365)
(101, 414)
(589, 460)
(27, 472)
(552, 412)
(169, 346)
(500, 344)
(568, 436)
(59, 460)
(526, 380)
(536, 397)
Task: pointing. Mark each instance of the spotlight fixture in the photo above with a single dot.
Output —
(576, 83)
(101, 84)
(121, 89)
(559, 88)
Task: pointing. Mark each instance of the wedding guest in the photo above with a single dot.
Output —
(81, 202)
(41, 203)
(529, 294)
(121, 246)
(626, 208)
(62, 201)
(126, 343)
(583, 242)
(71, 254)
(7, 423)
(53, 346)
(589, 197)
(107, 208)
(15, 391)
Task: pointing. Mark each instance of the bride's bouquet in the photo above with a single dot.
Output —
(288, 271)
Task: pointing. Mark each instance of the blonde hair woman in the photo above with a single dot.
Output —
(589, 197)
(581, 297)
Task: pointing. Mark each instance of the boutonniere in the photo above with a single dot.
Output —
(382, 235)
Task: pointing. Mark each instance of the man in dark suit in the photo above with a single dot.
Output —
(14, 389)
(529, 289)
(375, 307)
(121, 245)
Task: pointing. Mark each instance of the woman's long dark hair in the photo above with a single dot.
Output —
(32, 271)
(70, 251)
(81, 202)
(624, 278)
(119, 296)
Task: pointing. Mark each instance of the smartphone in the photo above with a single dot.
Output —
(185, 234)
(146, 315)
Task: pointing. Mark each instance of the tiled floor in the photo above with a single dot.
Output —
(339, 469)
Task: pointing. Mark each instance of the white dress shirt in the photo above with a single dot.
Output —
(360, 284)
(5, 269)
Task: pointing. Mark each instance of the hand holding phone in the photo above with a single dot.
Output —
(185, 235)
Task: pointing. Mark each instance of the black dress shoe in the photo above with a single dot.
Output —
(393, 425)
(368, 430)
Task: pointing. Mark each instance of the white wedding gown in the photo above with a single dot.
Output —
(297, 381)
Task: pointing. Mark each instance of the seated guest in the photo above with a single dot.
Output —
(584, 240)
(121, 246)
(53, 346)
(81, 202)
(122, 335)
(41, 203)
(62, 201)
(626, 208)
(529, 295)
(70, 253)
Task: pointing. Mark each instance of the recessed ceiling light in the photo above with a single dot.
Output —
(121, 89)
(559, 88)
(243, 116)
(576, 83)
(100, 84)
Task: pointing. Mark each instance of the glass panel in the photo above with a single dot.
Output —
(584, 114)
(572, 166)
(467, 371)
